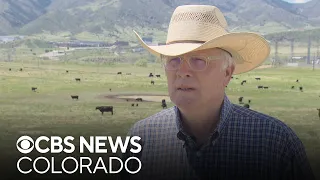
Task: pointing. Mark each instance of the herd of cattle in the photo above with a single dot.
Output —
(103, 109)
(240, 99)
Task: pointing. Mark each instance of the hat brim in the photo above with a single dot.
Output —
(249, 50)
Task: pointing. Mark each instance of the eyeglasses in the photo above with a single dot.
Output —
(196, 63)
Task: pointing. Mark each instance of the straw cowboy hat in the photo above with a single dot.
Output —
(199, 27)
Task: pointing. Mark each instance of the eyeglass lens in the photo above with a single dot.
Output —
(196, 63)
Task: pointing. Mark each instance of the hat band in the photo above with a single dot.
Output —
(186, 41)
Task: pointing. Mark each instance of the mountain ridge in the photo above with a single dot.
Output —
(115, 18)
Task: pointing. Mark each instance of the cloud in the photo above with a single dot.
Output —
(297, 1)
(300, 1)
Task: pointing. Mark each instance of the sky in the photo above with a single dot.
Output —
(296, 1)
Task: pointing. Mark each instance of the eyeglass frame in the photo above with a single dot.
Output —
(164, 60)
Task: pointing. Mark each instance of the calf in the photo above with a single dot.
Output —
(301, 88)
(34, 89)
(266, 87)
(119, 73)
(152, 82)
(260, 87)
(78, 79)
(297, 80)
(292, 87)
(75, 97)
(103, 109)
(240, 100)
(158, 75)
(139, 99)
(246, 106)
(249, 101)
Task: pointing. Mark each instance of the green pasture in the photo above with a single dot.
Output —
(51, 111)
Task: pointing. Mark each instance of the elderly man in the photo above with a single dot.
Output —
(205, 136)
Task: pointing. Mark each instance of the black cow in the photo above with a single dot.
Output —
(249, 101)
(137, 104)
(164, 105)
(9, 69)
(244, 81)
(75, 97)
(246, 106)
(119, 73)
(297, 80)
(319, 113)
(260, 87)
(240, 100)
(158, 75)
(301, 88)
(258, 78)
(34, 89)
(292, 87)
(139, 99)
(20, 69)
(150, 75)
(132, 104)
(152, 82)
(78, 79)
(266, 87)
(67, 71)
(103, 109)
(231, 77)
(110, 89)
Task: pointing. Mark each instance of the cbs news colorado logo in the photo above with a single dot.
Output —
(95, 145)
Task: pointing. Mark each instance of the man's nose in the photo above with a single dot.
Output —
(184, 70)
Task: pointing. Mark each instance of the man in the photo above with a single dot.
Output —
(205, 136)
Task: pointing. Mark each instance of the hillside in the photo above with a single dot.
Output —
(115, 19)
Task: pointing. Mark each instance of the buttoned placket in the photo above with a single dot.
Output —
(192, 155)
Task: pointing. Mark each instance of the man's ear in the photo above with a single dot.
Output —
(228, 74)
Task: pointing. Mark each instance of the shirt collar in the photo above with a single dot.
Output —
(224, 114)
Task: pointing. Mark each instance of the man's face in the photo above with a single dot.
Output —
(190, 88)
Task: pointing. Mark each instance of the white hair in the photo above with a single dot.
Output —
(229, 61)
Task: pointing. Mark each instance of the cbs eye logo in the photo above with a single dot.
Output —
(25, 144)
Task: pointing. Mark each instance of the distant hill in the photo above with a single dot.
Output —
(116, 19)
(300, 36)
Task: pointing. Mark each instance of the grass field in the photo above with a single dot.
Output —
(51, 111)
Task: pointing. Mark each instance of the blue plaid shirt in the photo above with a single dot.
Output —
(245, 145)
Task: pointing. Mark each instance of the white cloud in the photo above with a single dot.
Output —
(300, 1)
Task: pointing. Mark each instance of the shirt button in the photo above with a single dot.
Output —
(198, 154)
